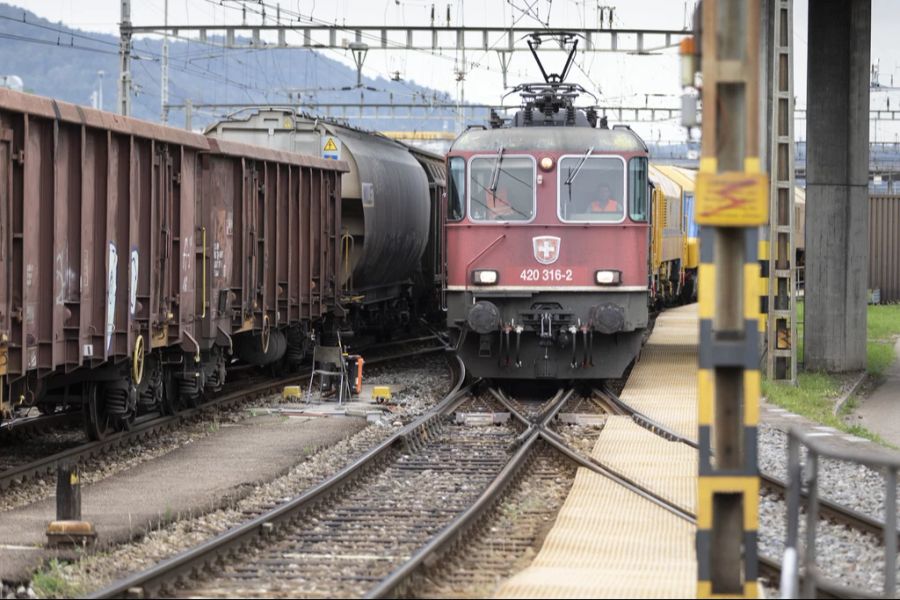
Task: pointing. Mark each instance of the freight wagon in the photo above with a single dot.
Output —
(136, 259)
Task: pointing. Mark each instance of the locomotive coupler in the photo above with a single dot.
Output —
(484, 346)
(546, 335)
(562, 338)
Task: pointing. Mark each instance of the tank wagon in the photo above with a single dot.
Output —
(390, 217)
(136, 259)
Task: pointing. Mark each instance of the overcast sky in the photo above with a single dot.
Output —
(619, 78)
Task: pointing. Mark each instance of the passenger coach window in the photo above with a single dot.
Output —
(456, 190)
(637, 186)
(501, 188)
(591, 188)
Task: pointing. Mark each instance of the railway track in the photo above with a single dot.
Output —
(268, 526)
(151, 426)
(356, 531)
(828, 510)
(368, 521)
(379, 550)
(373, 539)
(29, 426)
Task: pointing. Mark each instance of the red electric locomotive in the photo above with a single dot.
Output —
(547, 237)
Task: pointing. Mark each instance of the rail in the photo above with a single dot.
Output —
(813, 580)
(767, 565)
(388, 587)
(538, 429)
(151, 425)
(152, 580)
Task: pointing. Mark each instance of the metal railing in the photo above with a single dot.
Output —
(813, 578)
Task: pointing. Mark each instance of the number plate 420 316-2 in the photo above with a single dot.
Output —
(546, 275)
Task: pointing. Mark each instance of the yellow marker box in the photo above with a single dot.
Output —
(291, 391)
(732, 199)
(381, 392)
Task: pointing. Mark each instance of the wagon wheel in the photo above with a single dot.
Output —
(266, 334)
(97, 423)
(137, 361)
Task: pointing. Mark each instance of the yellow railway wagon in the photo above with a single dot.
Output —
(668, 247)
(684, 178)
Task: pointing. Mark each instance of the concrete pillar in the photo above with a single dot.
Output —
(837, 166)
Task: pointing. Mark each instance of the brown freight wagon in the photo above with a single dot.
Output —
(134, 258)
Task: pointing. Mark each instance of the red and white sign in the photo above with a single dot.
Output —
(546, 249)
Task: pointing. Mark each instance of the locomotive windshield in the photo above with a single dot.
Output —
(591, 188)
(501, 188)
(456, 186)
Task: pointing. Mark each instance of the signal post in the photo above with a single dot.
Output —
(732, 203)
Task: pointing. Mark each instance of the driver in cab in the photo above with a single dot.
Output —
(606, 202)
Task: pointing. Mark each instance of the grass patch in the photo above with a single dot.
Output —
(883, 322)
(860, 431)
(880, 356)
(53, 582)
(883, 327)
(813, 396)
(815, 393)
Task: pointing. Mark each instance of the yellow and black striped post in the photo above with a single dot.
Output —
(732, 202)
(763, 284)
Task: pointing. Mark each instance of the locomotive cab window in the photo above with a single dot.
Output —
(591, 188)
(456, 189)
(638, 188)
(501, 188)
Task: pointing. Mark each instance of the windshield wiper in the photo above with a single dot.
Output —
(577, 170)
(495, 174)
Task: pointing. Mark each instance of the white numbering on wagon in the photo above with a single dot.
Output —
(546, 275)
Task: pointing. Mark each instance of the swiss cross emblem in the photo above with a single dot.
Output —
(546, 249)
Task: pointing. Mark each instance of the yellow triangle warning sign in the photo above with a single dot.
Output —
(330, 146)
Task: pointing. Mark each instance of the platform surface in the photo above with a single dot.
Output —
(193, 479)
(607, 541)
(663, 384)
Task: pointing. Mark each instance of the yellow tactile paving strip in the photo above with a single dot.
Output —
(608, 542)
(667, 468)
(663, 383)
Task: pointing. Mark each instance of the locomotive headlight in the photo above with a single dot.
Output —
(546, 163)
(485, 277)
(608, 277)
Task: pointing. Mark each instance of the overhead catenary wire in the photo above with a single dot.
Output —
(75, 34)
(57, 44)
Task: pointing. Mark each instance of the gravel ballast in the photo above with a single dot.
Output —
(845, 556)
(419, 384)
